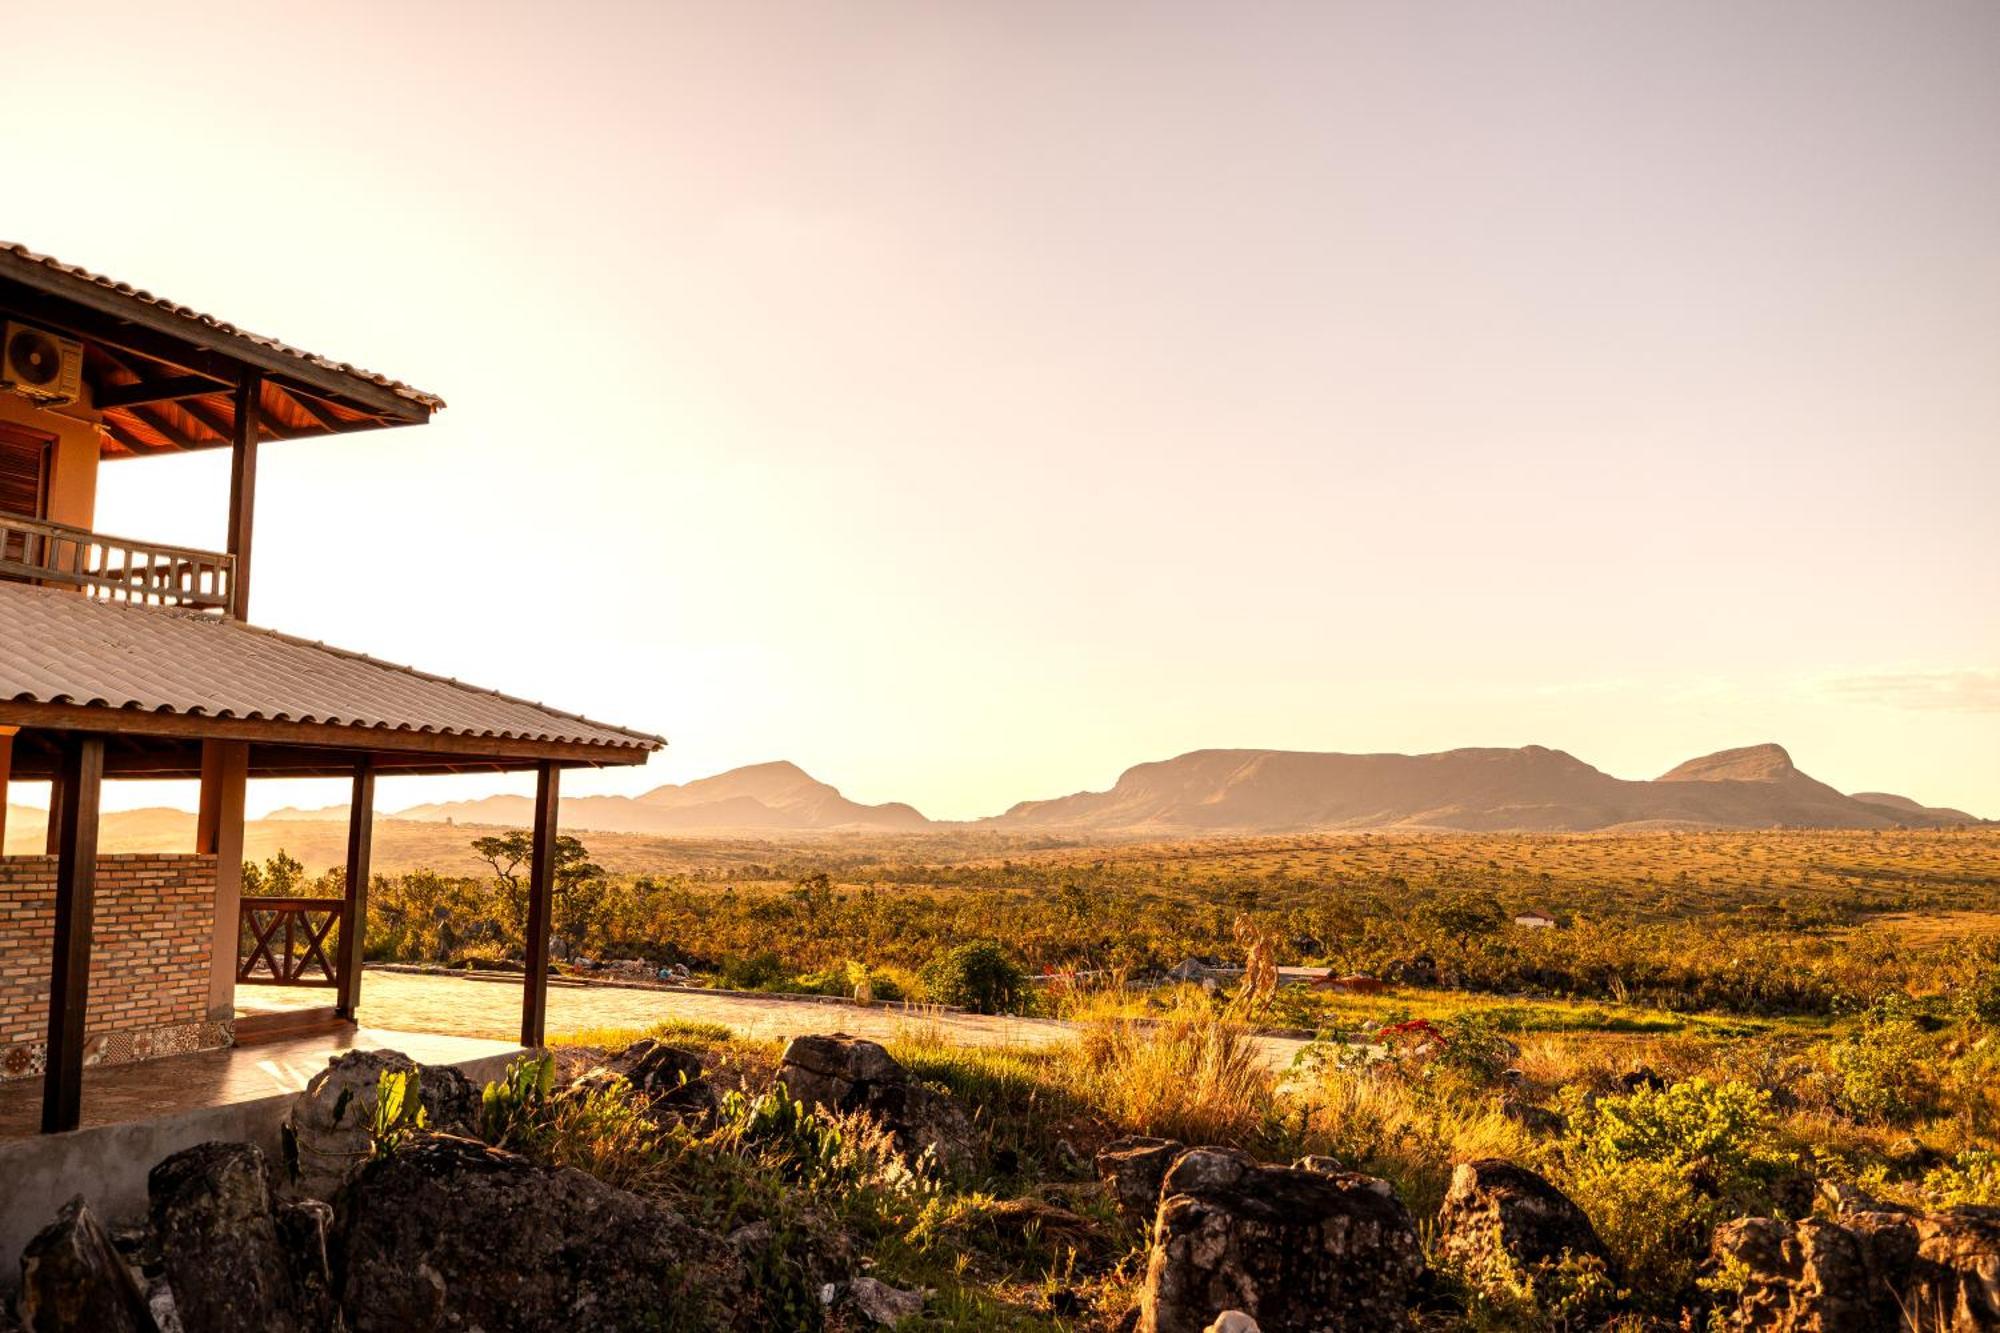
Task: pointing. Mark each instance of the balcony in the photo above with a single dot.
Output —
(114, 569)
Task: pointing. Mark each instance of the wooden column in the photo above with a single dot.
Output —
(541, 896)
(54, 843)
(82, 769)
(354, 912)
(243, 491)
(225, 774)
(6, 772)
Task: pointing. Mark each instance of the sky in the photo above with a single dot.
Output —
(968, 401)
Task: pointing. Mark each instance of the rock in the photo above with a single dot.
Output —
(1863, 1270)
(1797, 1277)
(651, 1068)
(1293, 1250)
(1499, 1218)
(327, 1131)
(74, 1281)
(304, 1226)
(448, 1233)
(1632, 1080)
(212, 1212)
(1134, 1167)
(882, 1303)
(1233, 1321)
(848, 1074)
(1955, 1273)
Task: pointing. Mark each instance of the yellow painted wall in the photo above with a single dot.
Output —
(73, 479)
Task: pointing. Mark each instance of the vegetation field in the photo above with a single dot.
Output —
(1718, 1024)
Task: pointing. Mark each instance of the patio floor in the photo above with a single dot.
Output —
(178, 1083)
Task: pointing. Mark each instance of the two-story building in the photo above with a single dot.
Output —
(123, 658)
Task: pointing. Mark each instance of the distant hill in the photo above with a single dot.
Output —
(763, 798)
(1487, 790)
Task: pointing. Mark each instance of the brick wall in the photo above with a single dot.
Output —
(153, 927)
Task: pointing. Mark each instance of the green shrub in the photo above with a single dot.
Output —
(1884, 1070)
(977, 976)
(1658, 1168)
(760, 971)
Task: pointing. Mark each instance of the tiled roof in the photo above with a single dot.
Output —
(213, 325)
(59, 647)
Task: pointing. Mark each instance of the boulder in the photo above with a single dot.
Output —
(73, 1280)
(852, 1074)
(213, 1215)
(1809, 1276)
(1233, 1321)
(448, 1233)
(327, 1131)
(882, 1304)
(1955, 1273)
(1297, 1251)
(1862, 1269)
(1134, 1167)
(1499, 1219)
(668, 1079)
(304, 1229)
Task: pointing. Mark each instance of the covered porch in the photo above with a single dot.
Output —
(109, 958)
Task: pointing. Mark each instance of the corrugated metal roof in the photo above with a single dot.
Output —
(211, 324)
(58, 647)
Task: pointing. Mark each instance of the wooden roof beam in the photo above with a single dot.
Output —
(156, 391)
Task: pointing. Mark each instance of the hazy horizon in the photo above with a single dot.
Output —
(967, 402)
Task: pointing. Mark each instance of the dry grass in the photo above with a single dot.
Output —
(1188, 1075)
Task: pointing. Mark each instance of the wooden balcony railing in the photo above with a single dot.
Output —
(114, 568)
(286, 939)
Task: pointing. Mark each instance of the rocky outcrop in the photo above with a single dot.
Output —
(848, 1074)
(881, 1304)
(73, 1278)
(328, 1130)
(669, 1080)
(449, 1233)
(1870, 1267)
(1499, 1218)
(1133, 1168)
(215, 1223)
(1297, 1251)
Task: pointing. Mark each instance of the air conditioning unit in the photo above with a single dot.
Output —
(40, 365)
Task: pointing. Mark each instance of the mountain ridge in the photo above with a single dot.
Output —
(1529, 789)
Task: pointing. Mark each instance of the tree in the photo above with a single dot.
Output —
(579, 884)
(1463, 915)
(279, 877)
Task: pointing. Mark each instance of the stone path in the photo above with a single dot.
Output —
(474, 1007)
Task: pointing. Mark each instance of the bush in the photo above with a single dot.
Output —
(977, 976)
(1657, 1170)
(1884, 1070)
(763, 971)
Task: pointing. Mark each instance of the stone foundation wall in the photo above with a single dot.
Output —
(149, 961)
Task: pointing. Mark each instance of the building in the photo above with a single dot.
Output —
(124, 658)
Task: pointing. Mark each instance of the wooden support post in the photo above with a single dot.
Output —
(541, 896)
(225, 773)
(243, 491)
(354, 911)
(53, 845)
(6, 772)
(82, 767)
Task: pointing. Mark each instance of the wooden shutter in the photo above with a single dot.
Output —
(24, 472)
